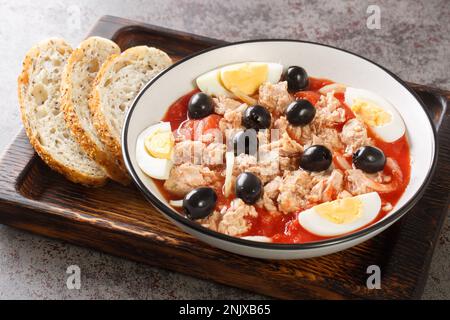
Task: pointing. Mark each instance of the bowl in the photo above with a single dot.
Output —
(320, 61)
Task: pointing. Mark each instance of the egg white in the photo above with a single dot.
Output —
(210, 83)
(318, 225)
(151, 166)
(389, 132)
(275, 72)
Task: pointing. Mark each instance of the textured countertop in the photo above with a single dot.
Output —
(413, 41)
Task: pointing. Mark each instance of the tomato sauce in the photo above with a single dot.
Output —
(399, 151)
(315, 84)
(285, 228)
(177, 113)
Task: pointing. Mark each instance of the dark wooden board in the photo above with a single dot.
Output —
(119, 221)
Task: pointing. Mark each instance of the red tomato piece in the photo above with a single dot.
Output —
(194, 129)
(311, 96)
(317, 83)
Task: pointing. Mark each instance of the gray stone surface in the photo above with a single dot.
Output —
(414, 42)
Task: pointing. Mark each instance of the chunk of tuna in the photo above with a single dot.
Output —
(285, 146)
(188, 151)
(232, 119)
(214, 154)
(270, 195)
(266, 169)
(354, 135)
(223, 104)
(356, 182)
(196, 152)
(275, 97)
(186, 177)
(232, 122)
(327, 137)
(359, 182)
(293, 191)
(212, 221)
(312, 134)
(328, 187)
(232, 220)
(329, 111)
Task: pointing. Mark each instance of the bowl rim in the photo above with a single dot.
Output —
(270, 245)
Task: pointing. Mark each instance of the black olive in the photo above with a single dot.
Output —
(245, 142)
(256, 117)
(248, 188)
(297, 78)
(300, 112)
(199, 203)
(200, 106)
(316, 158)
(369, 159)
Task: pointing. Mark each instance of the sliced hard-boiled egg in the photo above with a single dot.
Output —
(211, 84)
(376, 112)
(341, 216)
(159, 144)
(241, 78)
(154, 148)
(244, 77)
(275, 72)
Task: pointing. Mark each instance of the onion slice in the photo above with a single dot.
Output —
(336, 87)
(176, 203)
(342, 162)
(246, 98)
(258, 238)
(229, 160)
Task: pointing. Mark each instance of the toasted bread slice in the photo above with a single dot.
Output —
(118, 82)
(78, 77)
(39, 97)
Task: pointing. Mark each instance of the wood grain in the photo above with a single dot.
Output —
(118, 220)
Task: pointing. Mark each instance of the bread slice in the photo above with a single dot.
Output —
(39, 98)
(118, 82)
(78, 77)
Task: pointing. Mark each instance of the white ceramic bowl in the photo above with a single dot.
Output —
(320, 61)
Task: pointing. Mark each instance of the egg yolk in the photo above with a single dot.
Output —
(245, 78)
(340, 211)
(370, 113)
(160, 144)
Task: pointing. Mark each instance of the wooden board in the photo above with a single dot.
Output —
(119, 221)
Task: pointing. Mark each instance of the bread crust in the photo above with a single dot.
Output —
(99, 120)
(23, 81)
(74, 123)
